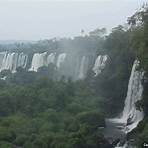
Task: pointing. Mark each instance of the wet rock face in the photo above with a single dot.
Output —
(129, 121)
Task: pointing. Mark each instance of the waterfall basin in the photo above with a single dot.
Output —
(113, 130)
(117, 128)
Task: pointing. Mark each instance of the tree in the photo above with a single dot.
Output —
(98, 32)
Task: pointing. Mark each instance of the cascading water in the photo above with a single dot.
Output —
(51, 58)
(2, 55)
(12, 60)
(38, 60)
(82, 68)
(99, 64)
(22, 60)
(61, 59)
(41, 59)
(63, 63)
(9, 61)
(131, 115)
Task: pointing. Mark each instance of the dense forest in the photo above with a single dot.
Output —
(37, 110)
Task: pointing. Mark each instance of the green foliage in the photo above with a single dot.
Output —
(112, 83)
(47, 113)
(4, 144)
(6, 134)
(91, 118)
(138, 34)
(37, 111)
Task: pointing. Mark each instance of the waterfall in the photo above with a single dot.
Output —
(82, 68)
(38, 60)
(22, 60)
(61, 59)
(99, 64)
(42, 59)
(10, 61)
(2, 55)
(70, 66)
(131, 116)
(51, 58)
(117, 128)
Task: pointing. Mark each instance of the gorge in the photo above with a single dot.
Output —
(116, 128)
(89, 91)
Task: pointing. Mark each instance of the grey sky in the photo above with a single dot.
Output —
(40, 19)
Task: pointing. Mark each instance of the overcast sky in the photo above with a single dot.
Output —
(42, 19)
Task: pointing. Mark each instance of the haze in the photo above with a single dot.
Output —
(34, 20)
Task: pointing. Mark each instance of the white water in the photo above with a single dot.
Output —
(51, 58)
(22, 60)
(82, 68)
(38, 60)
(12, 60)
(61, 59)
(79, 66)
(99, 64)
(124, 146)
(135, 90)
(42, 59)
(131, 116)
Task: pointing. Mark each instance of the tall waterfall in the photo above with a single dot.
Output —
(69, 65)
(39, 60)
(51, 58)
(99, 64)
(82, 68)
(22, 60)
(12, 60)
(61, 59)
(131, 116)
